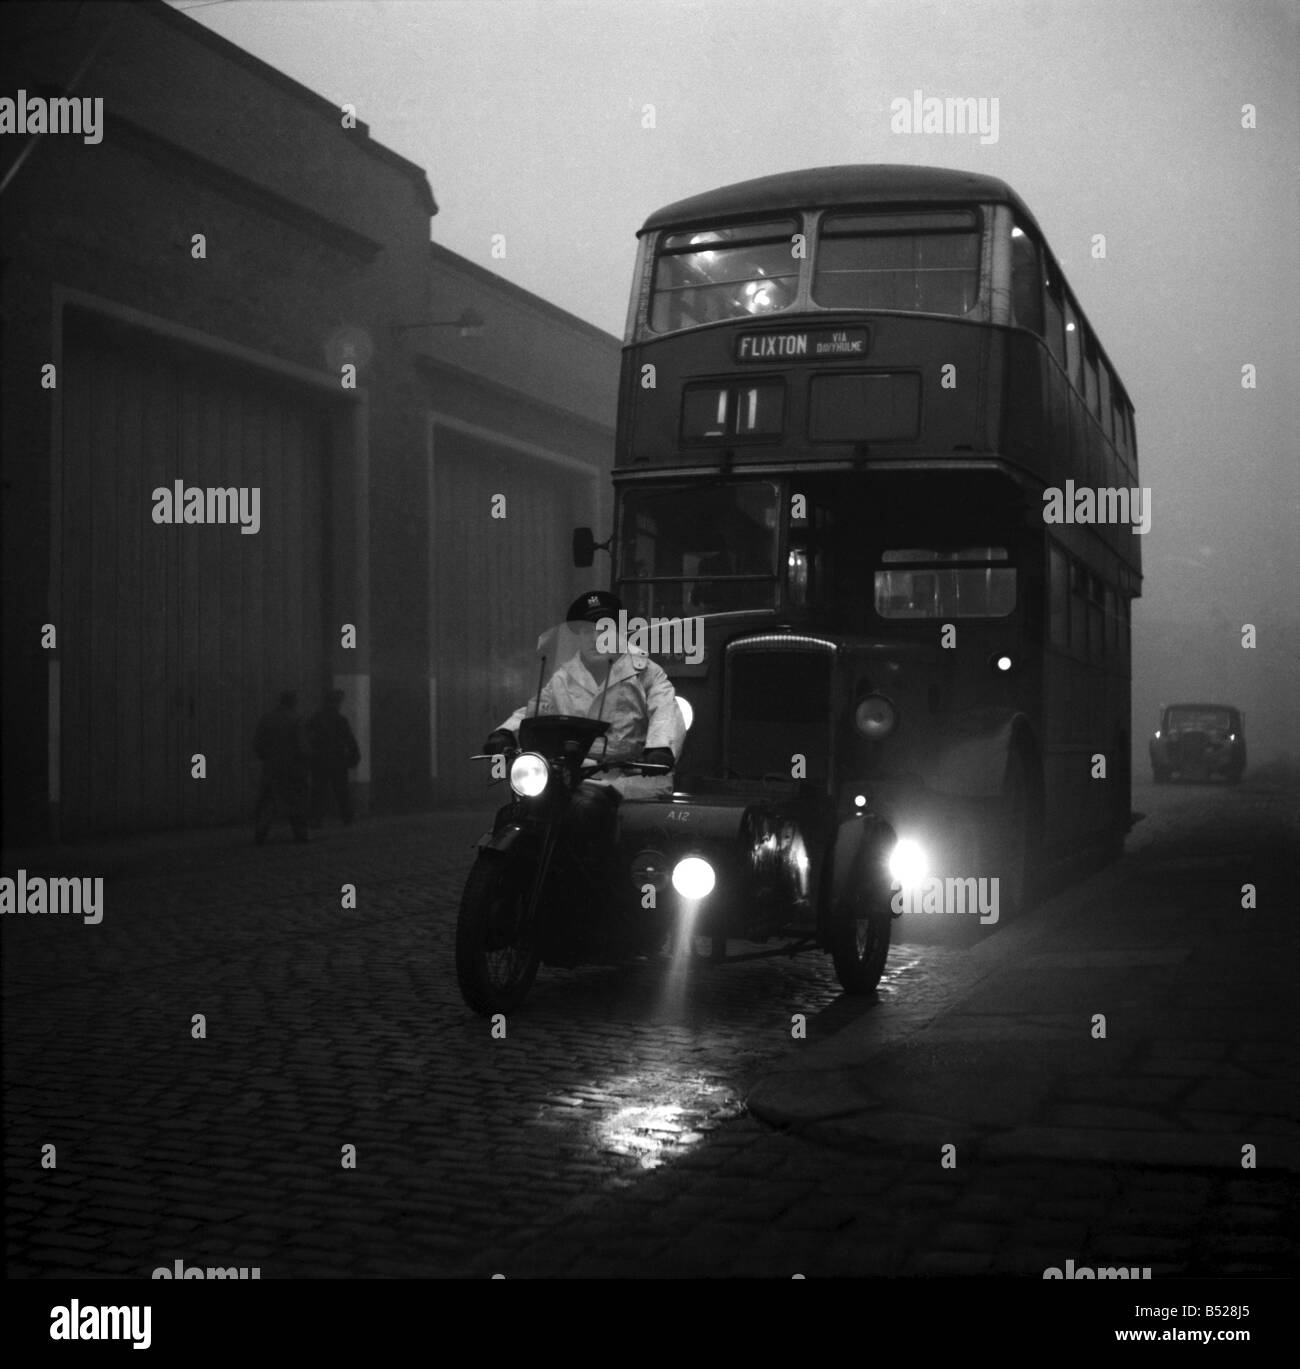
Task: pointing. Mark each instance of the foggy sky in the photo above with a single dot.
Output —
(1115, 118)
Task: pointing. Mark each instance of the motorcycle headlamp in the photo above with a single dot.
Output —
(875, 717)
(529, 774)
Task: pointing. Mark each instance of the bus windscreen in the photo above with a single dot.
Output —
(686, 550)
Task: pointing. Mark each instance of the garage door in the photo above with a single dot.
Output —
(174, 638)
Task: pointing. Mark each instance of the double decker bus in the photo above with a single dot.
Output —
(844, 393)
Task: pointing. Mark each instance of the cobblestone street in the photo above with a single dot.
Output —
(608, 1133)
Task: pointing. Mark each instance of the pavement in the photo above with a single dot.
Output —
(971, 1119)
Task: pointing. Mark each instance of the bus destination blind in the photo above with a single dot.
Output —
(810, 344)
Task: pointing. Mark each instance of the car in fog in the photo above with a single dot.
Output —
(1199, 742)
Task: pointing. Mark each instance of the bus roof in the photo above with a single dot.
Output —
(826, 187)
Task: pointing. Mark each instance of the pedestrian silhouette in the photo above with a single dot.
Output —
(334, 751)
(281, 744)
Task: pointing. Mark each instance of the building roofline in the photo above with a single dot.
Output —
(436, 368)
(232, 52)
(456, 262)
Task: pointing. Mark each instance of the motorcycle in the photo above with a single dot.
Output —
(540, 888)
(680, 869)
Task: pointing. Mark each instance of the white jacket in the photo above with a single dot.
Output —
(640, 705)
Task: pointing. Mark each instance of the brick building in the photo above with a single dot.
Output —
(200, 279)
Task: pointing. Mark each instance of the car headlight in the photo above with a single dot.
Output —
(529, 774)
(875, 717)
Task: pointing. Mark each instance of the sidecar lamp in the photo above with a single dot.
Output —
(693, 878)
(529, 774)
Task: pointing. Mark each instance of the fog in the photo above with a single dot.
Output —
(562, 126)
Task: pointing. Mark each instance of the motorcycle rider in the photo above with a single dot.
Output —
(628, 691)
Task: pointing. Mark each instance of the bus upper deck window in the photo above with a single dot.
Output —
(708, 275)
(1073, 346)
(1054, 304)
(925, 262)
(1026, 282)
(1090, 380)
(1103, 399)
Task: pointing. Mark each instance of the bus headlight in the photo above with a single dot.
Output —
(908, 863)
(529, 774)
(688, 713)
(693, 878)
(875, 717)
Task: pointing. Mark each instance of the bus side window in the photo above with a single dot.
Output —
(1026, 282)
(1090, 379)
(1059, 592)
(1055, 302)
(1103, 398)
(1073, 346)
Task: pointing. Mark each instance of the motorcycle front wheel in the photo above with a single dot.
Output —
(859, 946)
(496, 950)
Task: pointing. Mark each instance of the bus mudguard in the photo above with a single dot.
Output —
(973, 752)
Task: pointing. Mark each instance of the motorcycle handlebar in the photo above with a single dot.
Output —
(637, 767)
